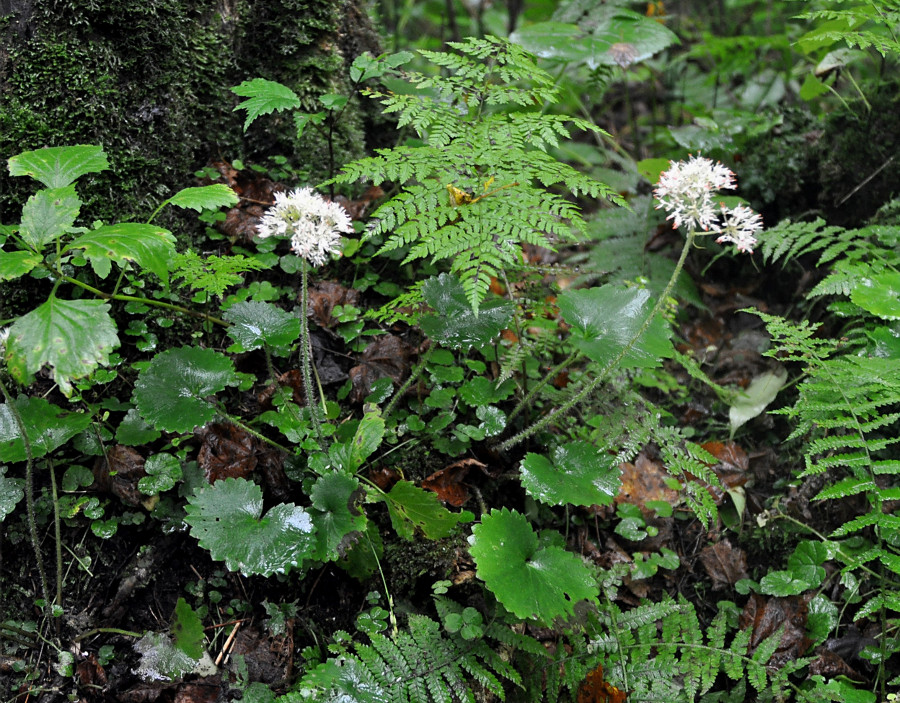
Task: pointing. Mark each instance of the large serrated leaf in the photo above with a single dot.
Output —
(17, 263)
(57, 167)
(256, 323)
(879, 295)
(605, 320)
(456, 324)
(617, 36)
(10, 493)
(226, 518)
(530, 581)
(171, 393)
(47, 215)
(201, 198)
(48, 427)
(72, 337)
(264, 97)
(412, 507)
(335, 513)
(148, 246)
(579, 474)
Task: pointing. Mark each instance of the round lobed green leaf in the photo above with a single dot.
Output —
(256, 323)
(455, 324)
(226, 518)
(604, 320)
(530, 581)
(879, 295)
(171, 392)
(578, 474)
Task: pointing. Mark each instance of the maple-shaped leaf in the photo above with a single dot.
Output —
(227, 519)
(264, 97)
(72, 337)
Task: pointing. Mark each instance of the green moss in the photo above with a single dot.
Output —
(150, 82)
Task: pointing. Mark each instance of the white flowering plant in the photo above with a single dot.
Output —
(687, 192)
(313, 224)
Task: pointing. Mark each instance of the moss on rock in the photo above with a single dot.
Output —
(150, 82)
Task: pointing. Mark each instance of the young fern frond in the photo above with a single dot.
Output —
(420, 664)
(476, 190)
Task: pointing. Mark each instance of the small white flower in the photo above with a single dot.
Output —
(686, 191)
(737, 227)
(4, 335)
(313, 224)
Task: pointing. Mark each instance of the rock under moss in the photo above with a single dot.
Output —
(150, 82)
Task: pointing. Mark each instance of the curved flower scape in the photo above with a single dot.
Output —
(313, 224)
(686, 192)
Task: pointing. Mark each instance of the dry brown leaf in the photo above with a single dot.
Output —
(725, 565)
(227, 452)
(324, 296)
(448, 482)
(766, 615)
(118, 472)
(386, 357)
(645, 480)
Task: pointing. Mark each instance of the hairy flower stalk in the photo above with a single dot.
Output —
(314, 226)
(686, 191)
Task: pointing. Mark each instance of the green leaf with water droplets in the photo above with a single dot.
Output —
(171, 393)
(227, 519)
(48, 427)
(72, 337)
(529, 580)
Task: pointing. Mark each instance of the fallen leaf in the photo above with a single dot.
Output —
(357, 209)
(645, 480)
(448, 482)
(725, 565)
(269, 659)
(293, 379)
(766, 616)
(386, 357)
(227, 452)
(384, 478)
(595, 689)
(324, 296)
(118, 472)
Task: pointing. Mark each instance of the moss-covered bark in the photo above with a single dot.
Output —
(150, 82)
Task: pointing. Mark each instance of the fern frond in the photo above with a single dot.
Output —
(419, 664)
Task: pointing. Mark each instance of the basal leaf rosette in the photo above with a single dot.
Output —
(171, 392)
(226, 518)
(577, 473)
(530, 581)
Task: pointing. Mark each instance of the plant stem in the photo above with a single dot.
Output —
(110, 630)
(29, 491)
(413, 376)
(604, 372)
(147, 301)
(249, 430)
(57, 534)
(549, 376)
(305, 351)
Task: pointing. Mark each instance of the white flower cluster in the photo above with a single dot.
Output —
(313, 224)
(686, 192)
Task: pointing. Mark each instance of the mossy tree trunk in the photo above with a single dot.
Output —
(150, 82)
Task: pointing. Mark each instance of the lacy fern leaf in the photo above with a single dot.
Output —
(476, 190)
